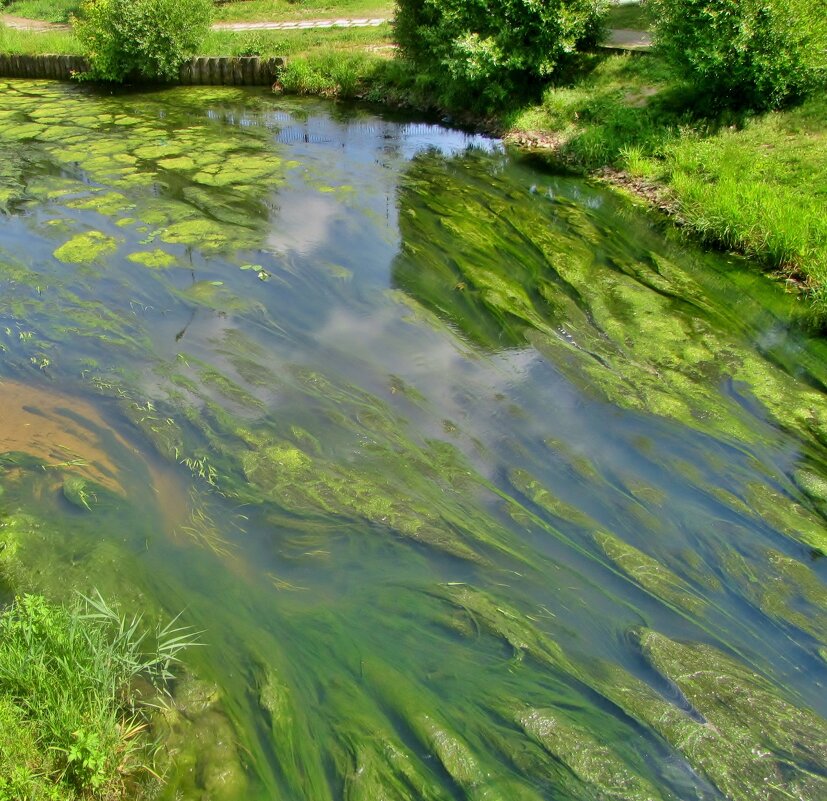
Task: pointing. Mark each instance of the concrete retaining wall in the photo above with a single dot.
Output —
(200, 71)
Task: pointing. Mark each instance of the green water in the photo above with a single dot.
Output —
(478, 484)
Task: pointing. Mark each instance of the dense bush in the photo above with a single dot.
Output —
(751, 53)
(480, 52)
(146, 38)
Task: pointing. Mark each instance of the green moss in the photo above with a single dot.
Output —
(154, 259)
(199, 756)
(86, 248)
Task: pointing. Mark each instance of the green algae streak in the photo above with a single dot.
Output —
(478, 486)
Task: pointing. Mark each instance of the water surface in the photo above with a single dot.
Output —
(479, 484)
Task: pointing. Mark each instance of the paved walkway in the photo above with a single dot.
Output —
(620, 39)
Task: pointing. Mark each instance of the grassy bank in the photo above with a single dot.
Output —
(753, 183)
(71, 724)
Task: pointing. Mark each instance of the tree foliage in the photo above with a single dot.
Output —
(479, 52)
(751, 53)
(143, 38)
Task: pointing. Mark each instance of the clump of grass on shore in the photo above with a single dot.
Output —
(70, 719)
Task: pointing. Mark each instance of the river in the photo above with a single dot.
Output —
(477, 480)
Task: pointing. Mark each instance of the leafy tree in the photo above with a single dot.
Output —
(751, 53)
(480, 52)
(143, 38)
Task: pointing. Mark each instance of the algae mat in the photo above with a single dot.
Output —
(478, 485)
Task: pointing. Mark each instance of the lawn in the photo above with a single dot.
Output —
(16, 42)
(235, 11)
(282, 11)
(225, 43)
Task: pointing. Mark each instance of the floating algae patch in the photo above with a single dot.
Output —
(787, 516)
(783, 588)
(506, 623)
(86, 248)
(89, 144)
(641, 332)
(155, 259)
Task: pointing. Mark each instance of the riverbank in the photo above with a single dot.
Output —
(755, 184)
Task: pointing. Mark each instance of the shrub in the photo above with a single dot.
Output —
(751, 53)
(145, 38)
(481, 52)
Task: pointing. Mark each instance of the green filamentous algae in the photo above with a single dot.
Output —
(479, 485)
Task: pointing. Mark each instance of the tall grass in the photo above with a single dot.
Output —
(68, 696)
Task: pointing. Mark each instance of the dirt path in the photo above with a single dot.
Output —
(628, 39)
(24, 24)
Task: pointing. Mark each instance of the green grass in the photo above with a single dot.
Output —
(48, 10)
(71, 725)
(292, 43)
(629, 16)
(282, 11)
(753, 183)
(15, 42)
(237, 11)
